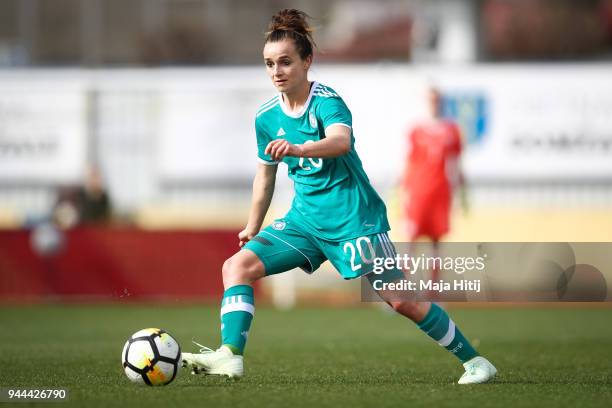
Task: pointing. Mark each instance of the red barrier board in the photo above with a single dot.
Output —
(116, 263)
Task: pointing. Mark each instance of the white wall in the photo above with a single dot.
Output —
(158, 128)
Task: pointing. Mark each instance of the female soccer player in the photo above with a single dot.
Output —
(336, 215)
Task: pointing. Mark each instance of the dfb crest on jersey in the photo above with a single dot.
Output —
(312, 119)
(279, 225)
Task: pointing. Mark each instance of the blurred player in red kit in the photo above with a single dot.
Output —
(432, 172)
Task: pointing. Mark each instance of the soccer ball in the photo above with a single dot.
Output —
(151, 357)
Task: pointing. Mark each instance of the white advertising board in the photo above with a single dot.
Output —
(207, 135)
(43, 131)
(521, 122)
(534, 122)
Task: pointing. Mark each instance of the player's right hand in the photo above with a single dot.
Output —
(245, 236)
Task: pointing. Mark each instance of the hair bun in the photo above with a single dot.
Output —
(292, 24)
(290, 20)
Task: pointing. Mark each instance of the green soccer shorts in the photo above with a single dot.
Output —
(284, 245)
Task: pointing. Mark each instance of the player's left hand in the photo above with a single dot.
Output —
(463, 198)
(279, 148)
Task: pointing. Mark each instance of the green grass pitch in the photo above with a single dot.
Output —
(309, 357)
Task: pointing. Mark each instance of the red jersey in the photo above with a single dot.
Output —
(433, 143)
(426, 180)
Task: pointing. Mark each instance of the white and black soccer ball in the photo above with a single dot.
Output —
(151, 357)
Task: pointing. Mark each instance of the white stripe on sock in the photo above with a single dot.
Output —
(449, 336)
(238, 307)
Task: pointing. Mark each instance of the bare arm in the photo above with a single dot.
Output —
(337, 142)
(263, 190)
(456, 178)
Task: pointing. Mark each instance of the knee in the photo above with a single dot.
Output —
(241, 270)
(226, 269)
(411, 309)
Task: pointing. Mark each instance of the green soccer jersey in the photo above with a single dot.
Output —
(334, 199)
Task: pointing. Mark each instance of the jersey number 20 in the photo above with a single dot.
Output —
(314, 161)
(359, 245)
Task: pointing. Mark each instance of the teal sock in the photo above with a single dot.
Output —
(442, 329)
(237, 309)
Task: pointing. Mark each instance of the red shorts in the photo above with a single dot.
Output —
(428, 217)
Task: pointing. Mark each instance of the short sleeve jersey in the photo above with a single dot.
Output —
(432, 144)
(334, 199)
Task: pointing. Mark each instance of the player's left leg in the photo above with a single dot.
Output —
(355, 258)
(433, 321)
(437, 324)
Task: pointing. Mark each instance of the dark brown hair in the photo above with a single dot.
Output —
(292, 24)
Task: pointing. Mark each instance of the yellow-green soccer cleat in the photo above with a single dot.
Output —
(477, 371)
(214, 362)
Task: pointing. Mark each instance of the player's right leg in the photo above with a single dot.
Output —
(237, 310)
(277, 248)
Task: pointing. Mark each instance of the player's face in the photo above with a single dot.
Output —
(287, 70)
(434, 103)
